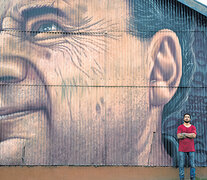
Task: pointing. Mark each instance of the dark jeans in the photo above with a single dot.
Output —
(191, 157)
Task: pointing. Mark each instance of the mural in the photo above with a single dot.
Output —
(100, 82)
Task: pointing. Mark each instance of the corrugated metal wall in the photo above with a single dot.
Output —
(100, 82)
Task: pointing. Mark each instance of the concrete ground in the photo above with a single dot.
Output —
(96, 173)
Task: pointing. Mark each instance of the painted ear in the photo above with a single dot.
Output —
(166, 66)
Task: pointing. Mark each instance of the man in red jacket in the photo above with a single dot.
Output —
(186, 134)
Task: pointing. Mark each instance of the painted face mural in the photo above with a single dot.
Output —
(86, 82)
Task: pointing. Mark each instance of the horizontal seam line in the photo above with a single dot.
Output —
(68, 85)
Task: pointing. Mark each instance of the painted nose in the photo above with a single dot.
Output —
(22, 85)
(12, 69)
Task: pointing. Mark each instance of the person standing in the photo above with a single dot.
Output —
(186, 133)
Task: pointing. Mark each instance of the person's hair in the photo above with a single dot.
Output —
(186, 114)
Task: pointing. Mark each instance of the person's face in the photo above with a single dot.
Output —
(74, 98)
(187, 118)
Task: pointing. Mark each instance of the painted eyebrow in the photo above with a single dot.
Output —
(41, 10)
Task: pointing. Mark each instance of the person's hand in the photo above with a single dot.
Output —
(184, 135)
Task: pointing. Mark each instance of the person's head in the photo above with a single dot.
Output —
(86, 78)
(186, 118)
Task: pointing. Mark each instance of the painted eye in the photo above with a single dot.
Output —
(48, 27)
(46, 30)
(8, 79)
